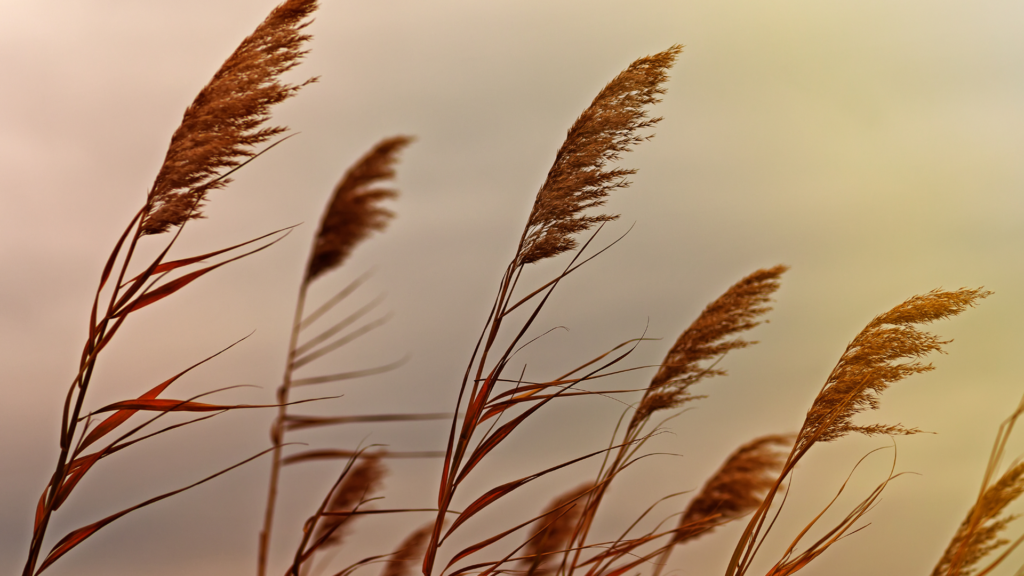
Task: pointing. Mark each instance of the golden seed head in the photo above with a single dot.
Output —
(354, 210)
(578, 179)
(225, 121)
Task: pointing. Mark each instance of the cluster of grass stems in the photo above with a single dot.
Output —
(220, 133)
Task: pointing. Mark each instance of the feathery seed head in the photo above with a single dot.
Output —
(737, 488)
(980, 535)
(409, 553)
(870, 364)
(578, 179)
(353, 211)
(226, 119)
(553, 531)
(734, 311)
(360, 482)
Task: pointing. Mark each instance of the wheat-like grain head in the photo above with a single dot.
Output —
(870, 365)
(578, 179)
(225, 121)
(354, 210)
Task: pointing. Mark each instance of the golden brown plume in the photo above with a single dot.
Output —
(554, 530)
(578, 179)
(406, 557)
(737, 488)
(353, 211)
(734, 311)
(362, 480)
(226, 119)
(870, 365)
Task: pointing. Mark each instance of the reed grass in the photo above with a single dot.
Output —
(222, 126)
(982, 531)
(219, 134)
(352, 214)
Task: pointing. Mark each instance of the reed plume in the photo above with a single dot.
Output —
(353, 211)
(218, 129)
(360, 483)
(578, 179)
(554, 531)
(980, 533)
(409, 552)
(735, 311)
(736, 489)
(870, 365)
(706, 339)
(361, 477)
(225, 121)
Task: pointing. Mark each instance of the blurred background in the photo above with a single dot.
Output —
(872, 146)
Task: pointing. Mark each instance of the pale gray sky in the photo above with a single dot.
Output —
(872, 146)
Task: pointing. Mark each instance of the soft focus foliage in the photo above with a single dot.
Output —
(353, 211)
(737, 488)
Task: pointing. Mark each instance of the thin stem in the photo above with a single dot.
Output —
(277, 431)
(663, 559)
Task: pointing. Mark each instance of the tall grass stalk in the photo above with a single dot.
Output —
(352, 213)
(578, 180)
(216, 137)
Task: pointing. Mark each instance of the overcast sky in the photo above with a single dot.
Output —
(873, 146)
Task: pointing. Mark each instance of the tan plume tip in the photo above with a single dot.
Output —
(554, 530)
(354, 210)
(734, 311)
(978, 534)
(578, 179)
(361, 481)
(226, 119)
(737, 488)
(404, 560)
(871, 364)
